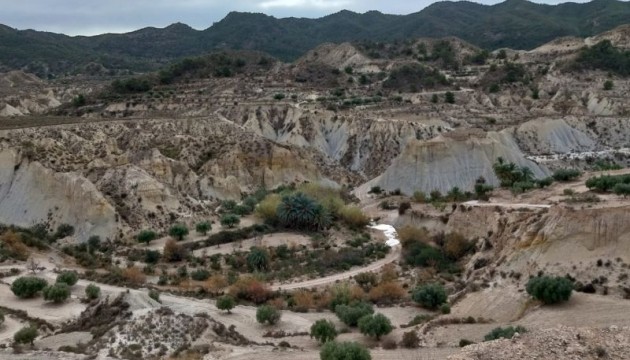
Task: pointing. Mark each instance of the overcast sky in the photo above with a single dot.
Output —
(89, 17)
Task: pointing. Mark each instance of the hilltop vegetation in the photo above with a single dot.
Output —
(515, 23)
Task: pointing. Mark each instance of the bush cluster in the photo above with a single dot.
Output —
(550, 290)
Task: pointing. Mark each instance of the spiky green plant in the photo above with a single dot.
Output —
(301, 212)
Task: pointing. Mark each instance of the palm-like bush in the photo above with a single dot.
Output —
(301, 212)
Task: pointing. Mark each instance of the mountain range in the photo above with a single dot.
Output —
(517, 24)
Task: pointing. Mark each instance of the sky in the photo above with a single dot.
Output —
(91, 17)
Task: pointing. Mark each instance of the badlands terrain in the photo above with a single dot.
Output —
(225, 205)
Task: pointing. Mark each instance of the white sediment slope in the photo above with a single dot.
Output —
(389, 232)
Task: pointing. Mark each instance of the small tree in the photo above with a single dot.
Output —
(435, 99)
(430, 296)
(1, 318)
(230, 220)
(350, 314)
(203, 227)
(146, 236)
(449, 97)
(550, 290)
(344, 351)
(28, 286)
(92, 291)
(226, 303)
(375, 325)
(178, 231)
(68, 277)
(26, 335)
(57, 293)
(266, 314)
(323, 331)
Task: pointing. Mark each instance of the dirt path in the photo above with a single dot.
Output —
(506, 205)
(375, 266)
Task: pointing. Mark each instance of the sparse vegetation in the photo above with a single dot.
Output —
(503, 333)
(550, 290)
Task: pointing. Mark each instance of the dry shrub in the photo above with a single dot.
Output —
(13, 246)
(353, 217)
(456, 245)
(410, 340)
(389, 273)
(322, 300)
(277, 303)
(387, 293)
(250, 289)
(410, 234)
(357, 293)
(267, 208)
(303, 300)
(134, 275)
(330, 198)
(216, 283)
(173, 251)
(389, 344)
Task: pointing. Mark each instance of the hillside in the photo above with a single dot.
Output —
(516, 24)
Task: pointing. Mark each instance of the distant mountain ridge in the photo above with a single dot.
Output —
(517, 24)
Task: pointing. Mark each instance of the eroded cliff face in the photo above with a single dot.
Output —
(559, 240)
(112, 177)
(456, 159)
(32, 194)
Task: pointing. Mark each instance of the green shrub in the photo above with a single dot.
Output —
(178, 231)
(344, 351)
(350, 314)
(155, 295)
(566, 174)
(465, 342)
(92, 291)
(146, 236)
(152, 256)
(258, 259)
(550, 290)
(203, 227)
(323, 331)
(608, 84)
(266, 314)
(230, 220)
(68, 277)
(227, 303)
(449, 97)
(56, 293)
(279, 96)
(430, 296)
(504, 333)
(64, 230)
(27, 286)
(200, 275)
(375, 325)
(622, 189)
(26, 335)
(445, 309)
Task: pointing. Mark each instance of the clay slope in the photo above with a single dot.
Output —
(455, 159)
(105, 177)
